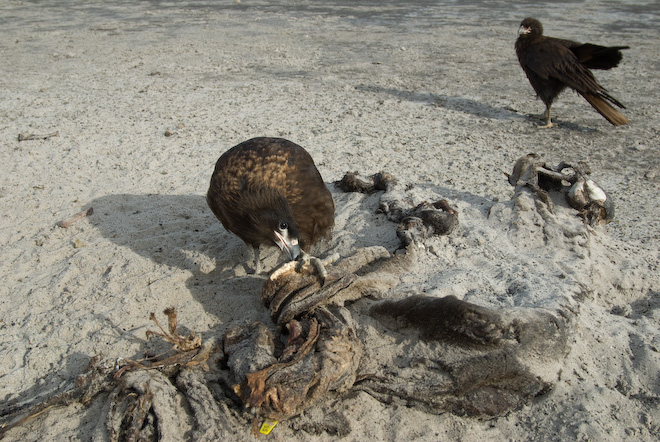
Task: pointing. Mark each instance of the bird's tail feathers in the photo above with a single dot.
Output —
(603, 93)
(598, 102)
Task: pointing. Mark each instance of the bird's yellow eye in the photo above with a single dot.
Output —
(283, 225)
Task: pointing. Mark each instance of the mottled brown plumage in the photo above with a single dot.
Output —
(268, 191)
(553, 64)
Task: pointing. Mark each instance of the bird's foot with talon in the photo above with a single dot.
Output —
(548, 125)
(319, 264)
(303, 260)
(548, 121)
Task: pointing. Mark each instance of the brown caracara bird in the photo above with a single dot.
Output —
(552, 64)
(268, 191)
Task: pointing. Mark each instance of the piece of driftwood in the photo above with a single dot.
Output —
(28, 136)
(75, 218)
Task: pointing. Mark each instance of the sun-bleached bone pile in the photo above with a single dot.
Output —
(582, 193)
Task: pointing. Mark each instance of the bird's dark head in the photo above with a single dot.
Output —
(274, 223)
(530, 26)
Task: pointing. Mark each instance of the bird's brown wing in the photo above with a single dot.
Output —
(223, 203)
(555, 61)
(310, 200)
(552, 59)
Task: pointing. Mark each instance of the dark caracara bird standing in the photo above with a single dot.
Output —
(268, 192)
(552, 64)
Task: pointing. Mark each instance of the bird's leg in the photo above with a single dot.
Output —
(318, 263)
(546, 116)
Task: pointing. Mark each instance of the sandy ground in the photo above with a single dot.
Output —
(431, 93)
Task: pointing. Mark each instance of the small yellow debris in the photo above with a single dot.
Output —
(268, 426)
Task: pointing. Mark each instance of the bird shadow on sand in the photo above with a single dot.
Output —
(451, 102)
(180, 232)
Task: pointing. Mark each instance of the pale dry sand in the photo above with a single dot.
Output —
(431, 93)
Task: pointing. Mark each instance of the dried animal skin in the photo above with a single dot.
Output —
(252, 348)
(414, 225)
(379, 181)
(478, 369)
(212, 415)
(591, 201)
(458, 357)
(326, 361)
(289, 293)
(426, 220)
(322, 352)
(161, 399)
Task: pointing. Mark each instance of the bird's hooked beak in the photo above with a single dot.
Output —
(524, 30)
(288, 245)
